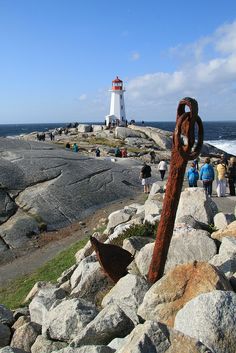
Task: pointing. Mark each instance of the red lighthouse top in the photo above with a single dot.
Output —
(117, 84)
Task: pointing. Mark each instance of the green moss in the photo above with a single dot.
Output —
(14, 294)
(139, 230)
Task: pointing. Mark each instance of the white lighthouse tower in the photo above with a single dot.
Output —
(117, 115)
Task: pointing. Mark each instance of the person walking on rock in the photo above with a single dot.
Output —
(207, 175)
(162, 167)
(221, 169)
(145, 175)
(232, 175)
(192, 175)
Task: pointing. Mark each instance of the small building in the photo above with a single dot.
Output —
(117, 116)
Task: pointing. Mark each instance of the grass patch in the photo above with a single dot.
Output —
(104, 141)
(14, 294)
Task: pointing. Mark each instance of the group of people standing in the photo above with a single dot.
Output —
(224, 171)
(145, 174)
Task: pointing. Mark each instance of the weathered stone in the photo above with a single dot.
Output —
(43, 301)
(188, 245)
(20, 322)
(24, 311)
(9, 349)
(117, 343)
(152, 219)
(7, 206)
(25, 336)
(168, 295)
(185, 344)
(36, 288)
(6, 315)
(66, 286)
(87, 349)
(124, 132)
(225, 263)
(143, 258)
(111, 322)
(156, 188)
(88, 279)
(135, 244)
(5, 335)
(163, 139)
(190, 221)
(152, 207)
(222, 220)
(44, 345)
(118, 217)
(149, 337)
(129, 289)
(66, 275)
(84, 128)
(229, 231)
(66, 320)
(228, 246)
(213, 320)
(202, 209)
(97, 128)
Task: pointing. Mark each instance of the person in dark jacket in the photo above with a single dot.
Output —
(207, 175)
(145, 176)
(232, 175)
(192, 175)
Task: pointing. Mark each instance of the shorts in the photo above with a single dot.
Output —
(146, 181)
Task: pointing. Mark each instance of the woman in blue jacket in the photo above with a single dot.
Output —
(192, 175)
(207, 175)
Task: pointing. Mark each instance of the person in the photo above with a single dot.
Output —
(68, 145)
(221, 169)
(232, 175)
(145, 176)
(196, 163)
(153, 157)
(117, 152)
(75, 147)
(97, 152)
(207, 175)
(192, 175)
(162, 167)
(124, 152)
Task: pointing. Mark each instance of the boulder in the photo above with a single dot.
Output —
(86, 349)
(6, 315)
(67, 319)
(129, 290)
(5, 335)
(190, 221)
(66, 275)
(168, 295)
(124, 132)
(96, 128)
(143, 258)
(23, 311)
(148, 337)
(135, 243)
(163, 139)
(24, 337)
(213, 319)
(189, 244)
(88, 279)
(195, 202)
(118, 217)
(229, 231)
(43, 301)
(225, 263)
(153, 207)
(36, 288)
(110, 323)
(156, 188)
(222, 220)
(228, 246)
(44, 345)
(9, 349)
(20, 322)
(185, 344)
(84, 128)
(7, 206)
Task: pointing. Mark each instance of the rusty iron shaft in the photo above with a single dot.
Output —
(181, 153)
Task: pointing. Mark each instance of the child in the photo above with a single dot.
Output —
(192, 175)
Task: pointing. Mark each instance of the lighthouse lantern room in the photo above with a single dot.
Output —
(117, 115)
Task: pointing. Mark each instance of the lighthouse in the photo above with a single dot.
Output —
(117, 115)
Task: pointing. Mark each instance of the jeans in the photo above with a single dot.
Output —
(207, 184)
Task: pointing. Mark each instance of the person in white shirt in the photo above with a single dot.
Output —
(162, 167)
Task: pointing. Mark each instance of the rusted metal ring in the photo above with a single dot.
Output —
(183, 150)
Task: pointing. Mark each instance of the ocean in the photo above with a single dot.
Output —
(221, 134)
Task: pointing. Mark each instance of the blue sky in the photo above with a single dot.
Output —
(58, 58)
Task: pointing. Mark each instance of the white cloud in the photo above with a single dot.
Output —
(207, 72)
(83, 97)
(135, 56)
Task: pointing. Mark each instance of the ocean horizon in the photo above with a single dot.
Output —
(221, 134)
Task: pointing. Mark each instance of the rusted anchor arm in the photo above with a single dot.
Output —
(181, 153)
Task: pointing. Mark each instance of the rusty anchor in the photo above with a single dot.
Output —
(112, 258)
(184, 149)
